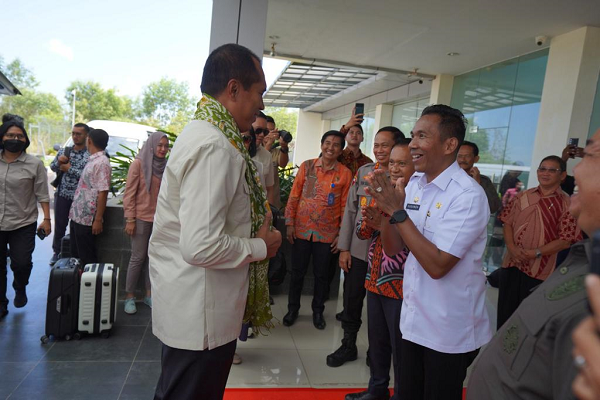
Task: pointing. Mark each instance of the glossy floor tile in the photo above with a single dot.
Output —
(126, 366)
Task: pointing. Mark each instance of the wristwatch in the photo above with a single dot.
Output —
(398, 217)
(538, 253)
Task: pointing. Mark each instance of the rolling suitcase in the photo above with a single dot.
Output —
(65, 246)
(63, 300)
(98, 298)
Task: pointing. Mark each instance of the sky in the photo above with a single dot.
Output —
(124, 44)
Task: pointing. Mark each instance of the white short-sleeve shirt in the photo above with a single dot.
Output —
(448, 314)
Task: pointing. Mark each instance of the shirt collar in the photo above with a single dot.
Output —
(442, 180)
(319, 163)
(96, 155)
(555, 193)
(20, 158)
(347, 152)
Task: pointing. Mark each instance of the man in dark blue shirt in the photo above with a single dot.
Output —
(69, 163)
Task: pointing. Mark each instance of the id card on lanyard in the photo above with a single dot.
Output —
(331, 196)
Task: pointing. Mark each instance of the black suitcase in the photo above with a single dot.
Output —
(65, 246)
(63, 300)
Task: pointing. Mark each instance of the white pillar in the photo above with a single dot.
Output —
(441, 89)
(568, 95)
(308, 137)
(239, 21)
(383, 116)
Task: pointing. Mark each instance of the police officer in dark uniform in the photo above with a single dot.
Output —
(530, 357)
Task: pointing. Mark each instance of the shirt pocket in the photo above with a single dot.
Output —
(239, 211)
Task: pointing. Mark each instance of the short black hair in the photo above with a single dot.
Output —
(558, 160)
(336, 134)
(473, 146)
(359, 127)
(269, 118)
(262, 115)
(86, 128)
(402, 142)
(230, 61)
(452, 122)
(396, 133)
(99, 137)
(10, 120)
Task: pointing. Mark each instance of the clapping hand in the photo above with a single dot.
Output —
(387, 198)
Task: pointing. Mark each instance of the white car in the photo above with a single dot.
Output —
(127, 134)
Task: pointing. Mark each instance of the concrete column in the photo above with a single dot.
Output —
(239, 21)
(441, 89)
(308, 137)
(383, 116)
(568, 95)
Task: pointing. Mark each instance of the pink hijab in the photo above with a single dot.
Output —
(152, 165)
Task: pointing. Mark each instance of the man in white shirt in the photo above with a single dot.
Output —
(210, 224)
(441, 216)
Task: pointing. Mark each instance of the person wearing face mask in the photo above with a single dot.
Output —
(139, 205)
(23, 184)
(354, 251)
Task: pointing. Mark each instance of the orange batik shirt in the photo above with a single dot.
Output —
(308, 209)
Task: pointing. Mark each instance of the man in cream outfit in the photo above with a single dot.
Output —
(201, 244)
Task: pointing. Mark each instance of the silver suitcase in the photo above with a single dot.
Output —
(98, 298)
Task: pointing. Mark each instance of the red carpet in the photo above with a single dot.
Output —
(289, 394)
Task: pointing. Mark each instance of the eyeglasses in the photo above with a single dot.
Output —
(11, 136)
(247, 139)
(551, 170)
(261, 131)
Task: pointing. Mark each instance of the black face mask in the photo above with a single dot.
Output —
(14, 145)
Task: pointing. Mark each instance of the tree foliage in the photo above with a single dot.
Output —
(94, 102)
(167, 102)
(285, 118)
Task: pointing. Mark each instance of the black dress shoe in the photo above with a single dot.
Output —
(366, 396)
(290, 318)
(20, 298)
(338, 316)
(319, 321)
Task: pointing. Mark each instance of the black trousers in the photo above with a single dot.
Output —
(334, 268)
(426, 374)
(385, 342)
(22, 244)
(514, 286)
(194, 375)
(354, 295)
(302, 252)
(61, 220)
(83, 245)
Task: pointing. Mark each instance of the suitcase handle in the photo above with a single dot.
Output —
(65, 304)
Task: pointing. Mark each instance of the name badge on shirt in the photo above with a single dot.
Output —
(413, 207)
(330, 199)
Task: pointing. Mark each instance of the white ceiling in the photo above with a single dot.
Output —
(408, 34)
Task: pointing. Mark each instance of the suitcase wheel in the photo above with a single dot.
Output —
(105, 334)
(77, 336)
(67, 337)
(45, 339)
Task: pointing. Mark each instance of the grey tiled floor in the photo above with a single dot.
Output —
(127, 365)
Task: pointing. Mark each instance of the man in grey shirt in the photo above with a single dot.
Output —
(468, 155)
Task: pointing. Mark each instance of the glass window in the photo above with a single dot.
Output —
(501, 103)
(405, 115)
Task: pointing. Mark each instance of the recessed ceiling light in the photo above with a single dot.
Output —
(453, 54)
